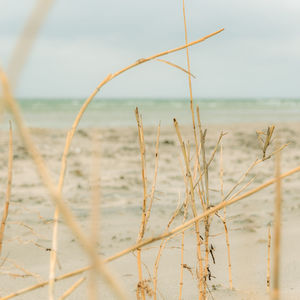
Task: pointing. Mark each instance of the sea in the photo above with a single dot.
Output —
(60, 113)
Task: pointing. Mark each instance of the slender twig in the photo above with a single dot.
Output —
(68, 292)
(154, 176)
(8, 189)
(193, 205)
(182, 248)
(206, 198)
(95, 208)
(140, 290)
(277, 231)
(190, 82)
(224, 218)
(269, 259)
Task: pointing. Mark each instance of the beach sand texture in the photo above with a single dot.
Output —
(28, 232)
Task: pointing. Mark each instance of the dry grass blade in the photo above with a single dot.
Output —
(207, 202)
(224, 219)
(11, 105)
(189, 78)
(140, 289)
(72, 288)
(8, 189)
(182, 248)
(95, 208)
(155, 175)
(269, 259)
(176, 66)
(194, 210)
(277, 231)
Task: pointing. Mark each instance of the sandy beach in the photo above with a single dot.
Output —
(27, 243)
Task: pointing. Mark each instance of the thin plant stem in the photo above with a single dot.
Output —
(8, 189)
(140, 289)
(68, 292)
(206, 220)
(182, 249)
(95, 208)
(224, 218)
(277, 231)
(189, 77)
(269, 259)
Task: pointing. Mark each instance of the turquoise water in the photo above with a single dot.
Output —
(55, 113)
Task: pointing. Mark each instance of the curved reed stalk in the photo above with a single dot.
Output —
(223, 219)
(75, 125)
(194, 210)
(275, 295)
(8, 189)
(68, 292)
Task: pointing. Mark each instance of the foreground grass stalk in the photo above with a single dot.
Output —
(189, 77)
(206, 220)
(8, 189)
(269, 259)
(194, 210)
(68, 292)
(277, 231)
(182, 249)
(140, 289)
(224, 218)
(95, 208)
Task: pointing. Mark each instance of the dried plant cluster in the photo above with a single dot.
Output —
(195, 160)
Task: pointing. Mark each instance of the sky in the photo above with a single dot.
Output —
(81, 41)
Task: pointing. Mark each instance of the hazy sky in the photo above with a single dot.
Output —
(81, 41)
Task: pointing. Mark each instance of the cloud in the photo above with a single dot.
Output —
(81, 41)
